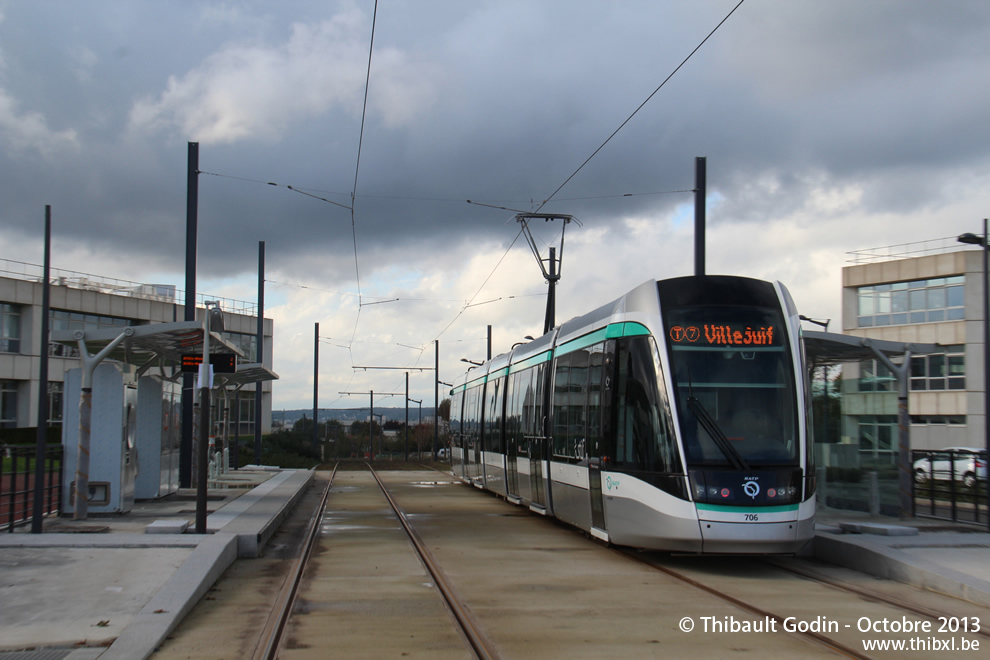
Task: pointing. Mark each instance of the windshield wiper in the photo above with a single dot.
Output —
(712, 428)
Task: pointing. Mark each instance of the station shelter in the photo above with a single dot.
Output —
(849, 475)
(131, 435)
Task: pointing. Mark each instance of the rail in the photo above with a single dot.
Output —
(950, 485)
(476, 638)
(17, 484)
(271, 638)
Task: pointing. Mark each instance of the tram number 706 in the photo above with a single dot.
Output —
(751, 517)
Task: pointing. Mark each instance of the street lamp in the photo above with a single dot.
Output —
(520, 343)
(973, 239)
(477, 364)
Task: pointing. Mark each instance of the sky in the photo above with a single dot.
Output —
(827, 127)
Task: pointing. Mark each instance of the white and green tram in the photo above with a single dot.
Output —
(674, 418)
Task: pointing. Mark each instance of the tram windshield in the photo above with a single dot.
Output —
(734, 384)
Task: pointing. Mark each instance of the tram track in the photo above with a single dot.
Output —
(271, 637)
(469, 627)
(816, 637)
(929, 613)
(710, 584)
(409, 563)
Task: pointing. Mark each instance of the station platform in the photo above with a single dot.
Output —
(115, 586)
(942, 556)
(108, 588)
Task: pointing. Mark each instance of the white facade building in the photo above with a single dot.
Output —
(918, 293)
(84, 301)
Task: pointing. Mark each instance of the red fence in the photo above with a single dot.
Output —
(17, 484)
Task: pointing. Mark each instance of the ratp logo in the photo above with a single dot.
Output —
(751, 488)
(611, 483)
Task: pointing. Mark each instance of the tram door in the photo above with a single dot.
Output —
(595, 487)
(537, 449)
(599, 360)
(511, 470)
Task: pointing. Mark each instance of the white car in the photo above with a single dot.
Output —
(968, 465)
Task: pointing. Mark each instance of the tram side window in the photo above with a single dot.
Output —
(493, 415)
(472, 417)
(577, 408)
(456, 401)
(513, 436)
(643, 433)
(561, 406)
(532, 409)
(520, 410)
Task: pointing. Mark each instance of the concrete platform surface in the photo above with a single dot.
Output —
(949, 558)
(114, 587)
(106, 588)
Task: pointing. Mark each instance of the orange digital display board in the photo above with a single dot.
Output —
(712, 334)
(223, 363)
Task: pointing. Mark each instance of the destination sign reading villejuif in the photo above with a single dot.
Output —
(723, 335)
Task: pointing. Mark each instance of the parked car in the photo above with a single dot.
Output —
(968, 465)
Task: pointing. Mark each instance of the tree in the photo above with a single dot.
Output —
(444, 410)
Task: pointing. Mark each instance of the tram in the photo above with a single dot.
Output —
(674, 418)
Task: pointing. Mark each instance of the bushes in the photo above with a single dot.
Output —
(29, 436)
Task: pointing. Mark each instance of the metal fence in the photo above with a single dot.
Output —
(950, 484)
(17, 483)
(166, 293)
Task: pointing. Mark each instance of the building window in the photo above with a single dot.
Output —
(874, 376)
(8, 404)
(920, 301)
(246, 343)
(941, 371)
(878, 439)
(10, 328)
(62, 320)
(938, 420)
(55, 402)
(245, 416)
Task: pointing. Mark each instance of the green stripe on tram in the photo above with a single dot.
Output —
(627, 329)
(747, 509)
(498, 373)
(611, 331)
(531, 362)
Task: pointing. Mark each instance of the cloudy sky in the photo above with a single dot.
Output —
(827, 127)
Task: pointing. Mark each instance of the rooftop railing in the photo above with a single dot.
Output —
(904, 250)
(166, 293)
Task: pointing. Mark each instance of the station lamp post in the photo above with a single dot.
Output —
(973, 239)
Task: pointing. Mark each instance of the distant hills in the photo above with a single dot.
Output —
(289, 417)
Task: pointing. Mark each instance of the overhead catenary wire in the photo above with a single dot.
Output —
(357, 164)
(357, 169)
(641, 105)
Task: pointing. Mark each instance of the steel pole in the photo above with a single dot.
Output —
(316, 384)
(407, 418)
(203, 453)
(700, 191)
(192, 219)
(42, 438)
(436, 397)
(260, 350)
(986, 365)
